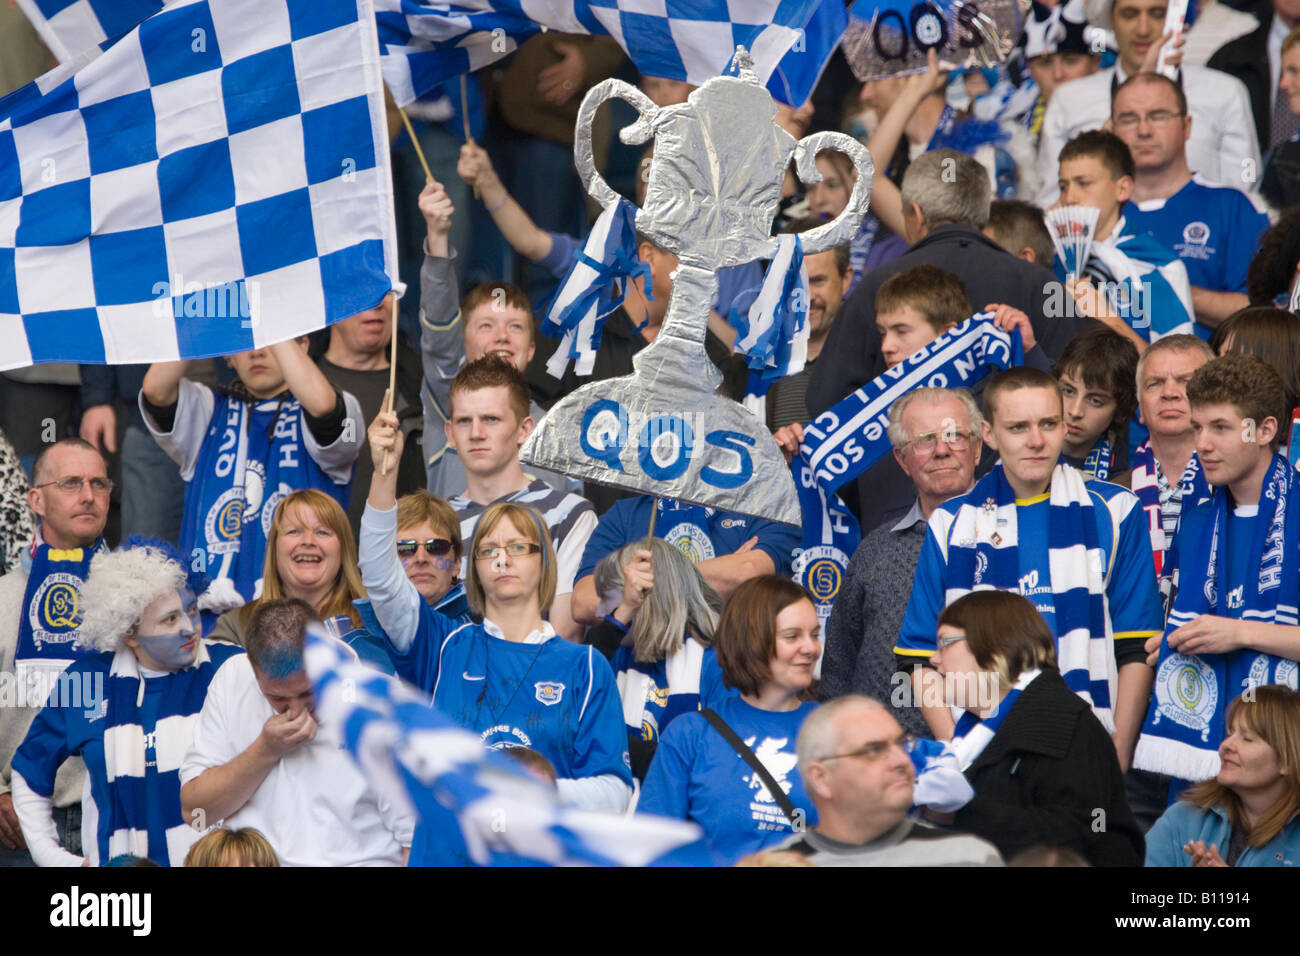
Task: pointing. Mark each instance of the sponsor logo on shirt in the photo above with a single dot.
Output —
(1195, 244)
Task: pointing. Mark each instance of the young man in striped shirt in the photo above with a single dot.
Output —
(488, 424)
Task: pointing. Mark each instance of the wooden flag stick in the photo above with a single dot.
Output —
(406, 121)
(654, 513)
(464, 117)
(390, 399)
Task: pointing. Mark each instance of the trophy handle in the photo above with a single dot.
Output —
(843, 227)
(632, 135)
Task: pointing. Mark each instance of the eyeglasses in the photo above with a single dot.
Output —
(877, 749)
(947, 642)
(516, 549)
(1154, 118)
(71, 484)
(434, 546)
(956, 440)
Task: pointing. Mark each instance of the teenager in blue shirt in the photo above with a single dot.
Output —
(1233, 620)
(1214, 230)
(1017, 539)
(768, 640)
(511, 678)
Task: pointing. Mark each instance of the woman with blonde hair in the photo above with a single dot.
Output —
(1249, 814)
(225, 847)
(128, 711)
(661, 624)
(511, 678)
(311, 555)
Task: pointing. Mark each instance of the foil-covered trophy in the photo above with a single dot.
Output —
(713, 190)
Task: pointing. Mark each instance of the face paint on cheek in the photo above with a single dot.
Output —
(443, 564)
(167, 650)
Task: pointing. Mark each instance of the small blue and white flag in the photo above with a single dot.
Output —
(595, 286)
(691, 40)
(72, 27)
(418, 759)
(214, 181)
(772, 333)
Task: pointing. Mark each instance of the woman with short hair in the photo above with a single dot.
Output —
(133, 718)
(1043, 768)
(1249, 814)
(768, 640)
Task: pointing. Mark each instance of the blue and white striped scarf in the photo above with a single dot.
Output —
(973, 733)
(843, 442)
(984, 554)
(128, 751)
(1097, 462)
(1185, 720)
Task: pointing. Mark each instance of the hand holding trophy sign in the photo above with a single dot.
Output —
(714, 186)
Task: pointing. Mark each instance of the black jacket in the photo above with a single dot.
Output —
(851, 356)
(1246, 58)
(1050, 777)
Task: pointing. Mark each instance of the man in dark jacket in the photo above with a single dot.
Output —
(946, 197)
(1248, 59)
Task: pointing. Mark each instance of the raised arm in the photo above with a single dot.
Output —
(305, 380)
(525, 236)
(886, 200)
(162, 383)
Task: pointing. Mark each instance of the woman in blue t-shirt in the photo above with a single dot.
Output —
(767, 641)
(662, 621)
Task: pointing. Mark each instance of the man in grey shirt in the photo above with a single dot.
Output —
(859, 776)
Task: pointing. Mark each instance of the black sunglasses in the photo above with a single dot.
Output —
(435, 546)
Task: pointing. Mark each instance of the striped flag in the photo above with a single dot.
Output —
(214, 181)
(419, 759)
(790, 40)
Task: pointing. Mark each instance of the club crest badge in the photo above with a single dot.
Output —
(1187, 693)
(549, 692)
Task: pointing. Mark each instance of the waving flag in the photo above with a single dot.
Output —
(427, 43)
(71, 27)
(415, 757)
(214, 181)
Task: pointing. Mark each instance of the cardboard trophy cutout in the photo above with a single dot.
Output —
(714, 185)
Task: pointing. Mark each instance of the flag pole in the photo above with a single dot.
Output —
(390, 400)
(464, 117)
(406, 121)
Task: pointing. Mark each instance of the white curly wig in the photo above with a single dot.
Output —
(121, 584)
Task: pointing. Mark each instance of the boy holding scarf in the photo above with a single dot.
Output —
(1079, 550)
(40, 616)
(280, 428)
(1233, 621)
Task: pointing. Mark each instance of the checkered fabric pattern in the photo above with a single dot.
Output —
(71, 27)
(214, 181)
(692, 40)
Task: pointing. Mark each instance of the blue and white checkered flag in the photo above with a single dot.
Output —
(692, 40)
(72, 27)
(417, 758)
(214, 181)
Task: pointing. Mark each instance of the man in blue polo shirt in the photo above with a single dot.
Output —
(1079, 550)
(1214, 230)
(728, 549)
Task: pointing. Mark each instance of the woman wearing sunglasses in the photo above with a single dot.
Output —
(311, 555)
(511, 679)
